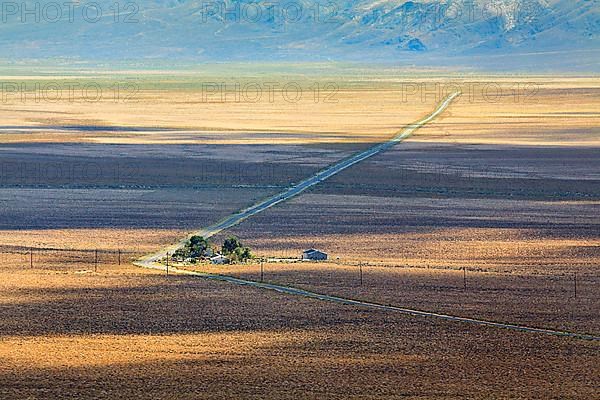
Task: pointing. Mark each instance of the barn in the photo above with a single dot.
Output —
(315, 255)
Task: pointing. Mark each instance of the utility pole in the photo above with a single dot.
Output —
(167, 263)
(96, 260)
(119, 256)
(465, 278)
(31, 257)
(575, 284)
(360, 269)
(262, 271)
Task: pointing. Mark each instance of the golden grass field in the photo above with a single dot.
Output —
(492, 110)
(130, 333)
(526, 299)
(507, 187)
(534, 112)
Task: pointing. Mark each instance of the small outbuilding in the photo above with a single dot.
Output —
(314, 255)
(220, 259)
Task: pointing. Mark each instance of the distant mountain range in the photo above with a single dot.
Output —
(492, 34)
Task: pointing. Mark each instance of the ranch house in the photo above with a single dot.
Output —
(314, 255)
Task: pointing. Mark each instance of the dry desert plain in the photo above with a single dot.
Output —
(505, 185)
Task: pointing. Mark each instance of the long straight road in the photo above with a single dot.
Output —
(151, 260)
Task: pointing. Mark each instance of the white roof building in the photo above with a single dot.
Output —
(220, 259)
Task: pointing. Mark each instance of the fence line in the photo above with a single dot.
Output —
(451, 266)
(32, 257)
(26, 249)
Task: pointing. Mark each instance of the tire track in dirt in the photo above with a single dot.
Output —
(288, 290)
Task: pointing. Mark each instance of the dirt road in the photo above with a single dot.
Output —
(151, 260)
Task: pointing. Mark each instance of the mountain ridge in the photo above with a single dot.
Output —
(419, 32)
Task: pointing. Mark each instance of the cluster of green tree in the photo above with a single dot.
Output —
(235, 251)
(198, 248)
